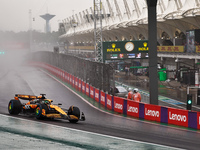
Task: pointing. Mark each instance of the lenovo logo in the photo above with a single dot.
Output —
(102, 98)
(132, 109)
(152, 113)
(97, 95)
(83, 87)
(109, 102)
(92, 92)
(118, 106)
(87, 90)
(177, 117)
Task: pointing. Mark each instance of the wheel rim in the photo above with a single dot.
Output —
(37, 111)
(10, 106)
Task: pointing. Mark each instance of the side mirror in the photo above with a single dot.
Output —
(59, 104)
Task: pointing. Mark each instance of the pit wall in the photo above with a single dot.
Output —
(179, 117)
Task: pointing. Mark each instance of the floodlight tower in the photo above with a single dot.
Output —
(47, 17)
(98, 30)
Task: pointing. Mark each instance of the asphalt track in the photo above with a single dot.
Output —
(29, 80)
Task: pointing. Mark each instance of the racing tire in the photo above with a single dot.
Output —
(38, 111)
(73, 110)
(14, 107)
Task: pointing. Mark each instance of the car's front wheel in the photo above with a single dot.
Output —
(40, 111)
(74, 114)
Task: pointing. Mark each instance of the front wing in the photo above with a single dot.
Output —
(66, 117)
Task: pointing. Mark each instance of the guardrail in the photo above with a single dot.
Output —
(185, 118)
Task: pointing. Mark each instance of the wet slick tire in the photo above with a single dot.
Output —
(14, 107)
(73, 110)
(38, 111)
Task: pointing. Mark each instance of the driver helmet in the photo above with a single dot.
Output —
(135, 90)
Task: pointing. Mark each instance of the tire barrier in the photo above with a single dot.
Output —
(162, 114)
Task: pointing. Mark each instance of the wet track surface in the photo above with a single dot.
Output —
(26, 80)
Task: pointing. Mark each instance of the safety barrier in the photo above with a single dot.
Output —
(145, 111)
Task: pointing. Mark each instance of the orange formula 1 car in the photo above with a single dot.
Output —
(43, 108)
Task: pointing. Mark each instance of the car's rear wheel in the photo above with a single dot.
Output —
(14, 107)
(74, 114)
(41, 111)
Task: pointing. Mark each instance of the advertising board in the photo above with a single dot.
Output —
(87, 89)
(109, 101)
(132, 108)
(178, 117)
(152, 112)
(83, 87)
(103, 98)
(76, 83)
(92, 92)
(80, 84)
(118, 104)
(97, 96)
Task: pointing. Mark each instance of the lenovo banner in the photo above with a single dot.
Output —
(79, 84)
(92, 92)
(152, 112)
(109, 101)
(70, 79)
(73, 81)
(59, 73)
(118, 104)
(66, 75)
(87, 89)
(63, 76)
(54, 70)
(97, 96)
(132, 108)
(103, 98)
(83, 87)
(76, 83)
(178, 117)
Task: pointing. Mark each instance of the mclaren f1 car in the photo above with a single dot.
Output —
(42, 108)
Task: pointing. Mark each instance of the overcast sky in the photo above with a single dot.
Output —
(14, 14)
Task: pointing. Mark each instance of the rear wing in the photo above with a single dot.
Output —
(29, 97)
(25, 97)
